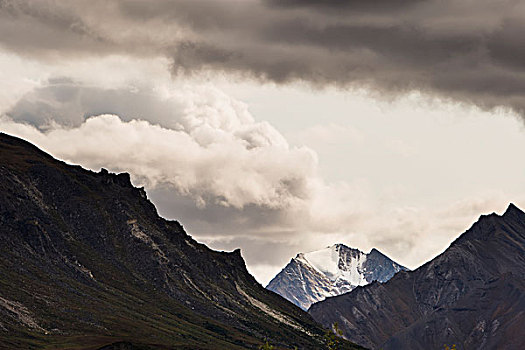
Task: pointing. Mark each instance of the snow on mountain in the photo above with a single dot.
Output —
(314, 276)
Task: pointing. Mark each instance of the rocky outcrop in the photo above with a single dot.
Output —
(472, 295)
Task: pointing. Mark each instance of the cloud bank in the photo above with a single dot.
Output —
(217, 153)
(232, 180)
(466, 51)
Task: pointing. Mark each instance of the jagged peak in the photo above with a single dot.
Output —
(512, 209)
(236, 255)
(338, 245)
(236, 251)
(487, 225)
(374, 251)
(123, 179)
(341, 246)
(299, 256)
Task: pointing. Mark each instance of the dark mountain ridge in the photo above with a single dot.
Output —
(471, 295)
(86, 261)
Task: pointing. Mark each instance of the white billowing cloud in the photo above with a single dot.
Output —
(233, 163)
(212, 117)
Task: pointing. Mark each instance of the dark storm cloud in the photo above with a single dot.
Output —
(44, 28)
(466, 51)
(354, 5)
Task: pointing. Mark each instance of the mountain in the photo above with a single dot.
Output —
(314, 276)
(87, 263)
(472, 295)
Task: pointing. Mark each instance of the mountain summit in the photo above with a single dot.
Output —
(314, 276)
(472, 295)
(86, 262)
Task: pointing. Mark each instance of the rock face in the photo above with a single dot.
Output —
(472, 295)
(314, 276)
(86, 262)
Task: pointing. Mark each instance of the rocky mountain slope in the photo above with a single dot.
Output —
(472, 295)
(314, 276)
(86, 262)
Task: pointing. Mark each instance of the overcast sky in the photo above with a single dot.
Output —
(282, 126)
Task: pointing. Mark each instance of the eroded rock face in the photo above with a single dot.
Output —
(314, 276)
(85, 259)
(472, 295)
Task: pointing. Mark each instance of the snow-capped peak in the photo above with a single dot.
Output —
(325, 260)
(339, 262)
(334, 270)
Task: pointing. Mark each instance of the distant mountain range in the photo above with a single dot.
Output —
(314, 276)
(472, 295)
(87, 263)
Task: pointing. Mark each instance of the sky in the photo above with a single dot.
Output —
(282, 126)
